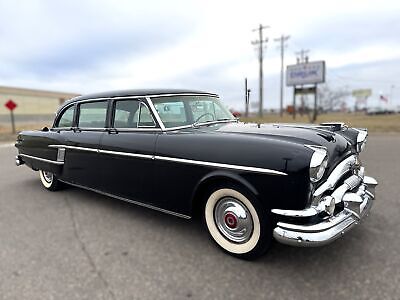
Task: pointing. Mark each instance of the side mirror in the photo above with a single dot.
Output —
(45, 129)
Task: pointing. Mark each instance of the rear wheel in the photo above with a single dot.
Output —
(49, 180)
(237, 223)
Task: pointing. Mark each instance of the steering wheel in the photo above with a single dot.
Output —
(203, 115)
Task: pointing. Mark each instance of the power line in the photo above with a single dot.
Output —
(260, 43)
(282, 46)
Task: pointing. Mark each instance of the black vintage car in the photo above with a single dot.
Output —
(182, 152)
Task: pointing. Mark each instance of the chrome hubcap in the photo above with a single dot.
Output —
(233, 220)
(48, 176)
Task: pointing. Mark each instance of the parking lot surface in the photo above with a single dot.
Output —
(75, 244)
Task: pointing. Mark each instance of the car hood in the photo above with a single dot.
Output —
(306, 134)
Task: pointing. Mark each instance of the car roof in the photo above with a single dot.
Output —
(137, 93)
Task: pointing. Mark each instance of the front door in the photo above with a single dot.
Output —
(127, 150)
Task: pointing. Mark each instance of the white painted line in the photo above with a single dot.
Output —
(6, 145)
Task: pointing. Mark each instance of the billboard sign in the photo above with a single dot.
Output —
(363, 93)
(305, 73)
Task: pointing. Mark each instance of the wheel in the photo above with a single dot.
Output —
(237, 224)
(49, 180)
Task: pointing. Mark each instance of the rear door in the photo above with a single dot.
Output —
(127, 150)
(82, 142)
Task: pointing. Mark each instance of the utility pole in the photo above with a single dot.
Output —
(282, 46)
(302, 57)
(260, 43)
(246, 101)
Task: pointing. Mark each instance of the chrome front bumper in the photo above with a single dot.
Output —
(357, 205)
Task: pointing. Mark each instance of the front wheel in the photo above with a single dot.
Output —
(49, 180)
(237, 224)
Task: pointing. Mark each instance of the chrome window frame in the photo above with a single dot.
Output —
(78, 114)
(154, 110)
(141, 101)
(59, 115)
(145, 99)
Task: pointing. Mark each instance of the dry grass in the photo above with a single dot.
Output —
(375, 123)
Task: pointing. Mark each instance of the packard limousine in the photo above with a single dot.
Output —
(182, 152)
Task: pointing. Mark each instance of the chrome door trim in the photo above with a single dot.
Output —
(155, 113)
(129, 200)
(137, 155)
(179, 160)
(220, 165)
(42, 159)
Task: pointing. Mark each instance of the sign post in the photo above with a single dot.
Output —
(11, 105)
(308, 73)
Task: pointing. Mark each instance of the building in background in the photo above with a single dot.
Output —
(33, 105)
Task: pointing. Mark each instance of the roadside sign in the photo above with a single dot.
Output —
(363, 93)
(11, 105)
(305, 73)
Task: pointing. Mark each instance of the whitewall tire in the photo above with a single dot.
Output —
(237, 224)
(49, 180)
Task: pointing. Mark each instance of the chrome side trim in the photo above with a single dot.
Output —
(140, 129)
(220, 165)
(180, 160)
(155, 113)
(42, 159)
(74, 148)
(137, 155)
(129, 200)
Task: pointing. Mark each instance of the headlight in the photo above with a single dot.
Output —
(318, 164)
(361, 139)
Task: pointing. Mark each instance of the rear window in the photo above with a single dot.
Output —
(93, 114)
(67, 117)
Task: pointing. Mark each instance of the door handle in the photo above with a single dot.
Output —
(112, 131)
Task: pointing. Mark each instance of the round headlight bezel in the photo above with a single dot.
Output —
(318, 163)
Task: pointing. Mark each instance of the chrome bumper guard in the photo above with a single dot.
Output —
(357, 204)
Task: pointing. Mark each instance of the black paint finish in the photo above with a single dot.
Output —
(175, 186)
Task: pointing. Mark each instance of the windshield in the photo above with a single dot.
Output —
(187, 110)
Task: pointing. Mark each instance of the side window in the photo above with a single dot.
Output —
(125, 111)
(66, 118)
(143, 117)
(132, 114)
(93, 114)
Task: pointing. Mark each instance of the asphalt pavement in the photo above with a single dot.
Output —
(75, 244)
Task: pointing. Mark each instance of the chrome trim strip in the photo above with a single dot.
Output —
(75, 148)
(42, 159)
(155, 113)
(180, 160)
(137, 155)
(129, 200)
(220, 165)
(146, 129)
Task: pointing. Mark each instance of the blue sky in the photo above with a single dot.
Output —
(90, 46)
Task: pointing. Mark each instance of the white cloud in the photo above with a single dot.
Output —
(96, 45)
